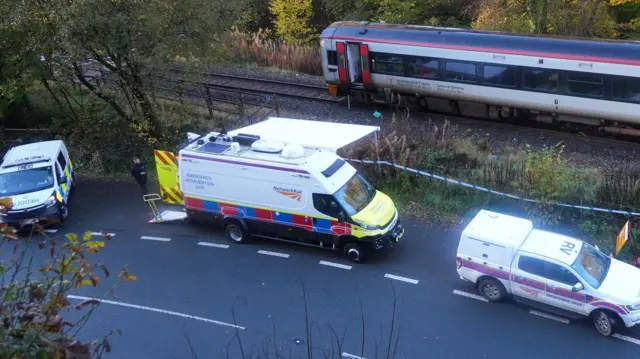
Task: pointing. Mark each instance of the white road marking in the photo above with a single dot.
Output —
(50, 230)
(275, 254)
(550, 316)
(351, 356)
(469, 295)
(626, 338)
(403, 279)
(337, 265)
(102, 234)
(127, 305)
(216, 245)
(161, 239)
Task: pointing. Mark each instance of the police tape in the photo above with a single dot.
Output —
(489, 190)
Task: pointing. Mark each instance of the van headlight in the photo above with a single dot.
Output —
(633, 307)
(50, 201)
(369, 227)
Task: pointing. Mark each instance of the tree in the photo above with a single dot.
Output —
(129, 41)
(33, 299)
(585, 18)
(292, 20)
(627, 15)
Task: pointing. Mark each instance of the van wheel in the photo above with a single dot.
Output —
(492, 290)
(236, 233)
(354, 252)
(64, 212)
(604, 322)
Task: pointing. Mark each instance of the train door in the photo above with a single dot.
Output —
(342, 63)
(364, 60)
(354, 63)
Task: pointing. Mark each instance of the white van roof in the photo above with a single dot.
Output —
(499, 229)
(287, 145)
(31, 153)
(307, 133)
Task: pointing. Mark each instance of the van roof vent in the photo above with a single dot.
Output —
(293, 150)
(267, 146)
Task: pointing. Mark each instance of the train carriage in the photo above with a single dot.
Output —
(487, 74)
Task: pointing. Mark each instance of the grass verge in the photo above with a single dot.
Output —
(542, 175)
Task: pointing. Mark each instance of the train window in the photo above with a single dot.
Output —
(387, 64)
(422, 67)
(627, 89)
(585, 84)
(540, 79)
(332, 57)
(500, 75)
(461, 71)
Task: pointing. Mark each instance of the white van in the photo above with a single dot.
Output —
(281, 179)
(38, 177)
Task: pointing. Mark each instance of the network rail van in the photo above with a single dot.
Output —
(505, 255)
(282, 179)
(38, 177)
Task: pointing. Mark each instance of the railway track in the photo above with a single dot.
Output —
(273, 87)
(321, 93)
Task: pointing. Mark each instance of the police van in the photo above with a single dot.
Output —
(38, 177)
(281, 179)
(505, 255)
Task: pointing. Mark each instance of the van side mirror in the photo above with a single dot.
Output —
(577, 287)
(62, 180)
(341, 217)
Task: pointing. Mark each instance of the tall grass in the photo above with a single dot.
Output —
(264, 49)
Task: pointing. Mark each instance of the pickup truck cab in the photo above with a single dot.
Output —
(505, 256)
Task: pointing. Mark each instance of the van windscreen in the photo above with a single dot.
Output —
(355, 195)
(26, 181)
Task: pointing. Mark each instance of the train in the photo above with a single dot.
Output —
(577, 82)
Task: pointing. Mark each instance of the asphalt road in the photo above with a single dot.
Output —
(196, 292)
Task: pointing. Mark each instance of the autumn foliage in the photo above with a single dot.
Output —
(34, 297)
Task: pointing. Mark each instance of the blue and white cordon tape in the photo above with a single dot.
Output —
(488, 190)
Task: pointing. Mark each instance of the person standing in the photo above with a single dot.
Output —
(139, 172)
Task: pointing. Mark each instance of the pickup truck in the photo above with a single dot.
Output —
(505, 256)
